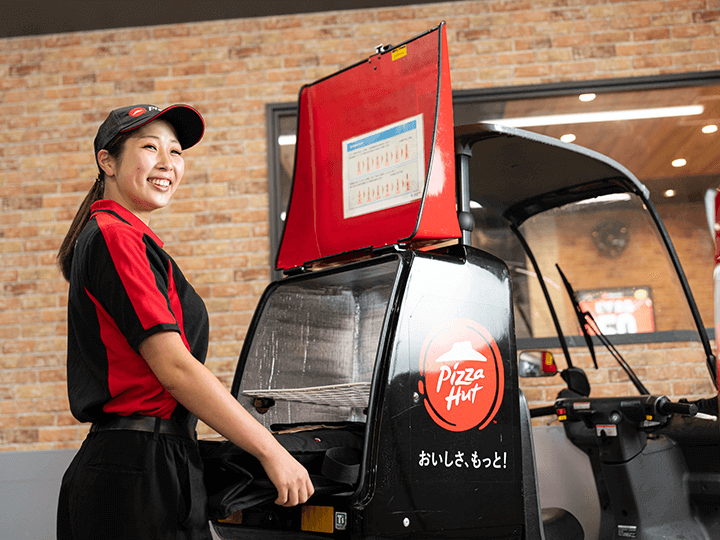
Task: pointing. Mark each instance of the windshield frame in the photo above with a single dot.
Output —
(519, 174)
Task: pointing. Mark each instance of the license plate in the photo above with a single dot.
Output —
(317, 519)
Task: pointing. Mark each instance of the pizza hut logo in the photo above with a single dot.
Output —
(137, 111)
(462, 377)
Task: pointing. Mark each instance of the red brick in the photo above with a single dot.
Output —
(511, 5)
(706, 16)
(516, 58)
(684, 5)
(705, 43)
(571, 41)
(633, 49)
(696, 30)
(697, 58)
(651, 34)
(532, 71)
(594, 51)
(611, 37)
(630, 22)
(652, 62)
(533, 43)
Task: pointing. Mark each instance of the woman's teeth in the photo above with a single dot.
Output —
(158, 182)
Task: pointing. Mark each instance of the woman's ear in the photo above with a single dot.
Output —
(106, 162)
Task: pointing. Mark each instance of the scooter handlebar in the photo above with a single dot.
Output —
(542, 411)
(665, 406)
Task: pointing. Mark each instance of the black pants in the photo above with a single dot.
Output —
(134, 485)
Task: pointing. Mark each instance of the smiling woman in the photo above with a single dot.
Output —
(137, 342)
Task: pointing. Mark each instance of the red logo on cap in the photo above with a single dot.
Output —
(462, 375)
(137, 111)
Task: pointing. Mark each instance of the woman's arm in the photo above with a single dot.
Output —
(194, 385)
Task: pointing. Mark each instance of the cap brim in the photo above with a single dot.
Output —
(187, 122)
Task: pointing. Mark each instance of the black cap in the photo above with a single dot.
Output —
(189, 125)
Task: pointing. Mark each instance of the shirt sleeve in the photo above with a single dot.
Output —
(128, 276)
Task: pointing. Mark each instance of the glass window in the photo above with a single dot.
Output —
(612, 256)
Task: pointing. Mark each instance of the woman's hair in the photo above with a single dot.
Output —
(67, 248)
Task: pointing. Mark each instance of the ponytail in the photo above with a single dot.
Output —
(65, 255)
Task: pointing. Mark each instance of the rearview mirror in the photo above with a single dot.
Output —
(536, 364)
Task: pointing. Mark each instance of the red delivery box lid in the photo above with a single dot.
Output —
(374, 159)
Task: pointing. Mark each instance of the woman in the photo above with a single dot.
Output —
(137, 339)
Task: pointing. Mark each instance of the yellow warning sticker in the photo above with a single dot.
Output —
(399, 53)
(317, 519)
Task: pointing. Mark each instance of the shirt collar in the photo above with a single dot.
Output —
(106, 205)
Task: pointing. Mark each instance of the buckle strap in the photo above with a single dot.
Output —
(149, 424)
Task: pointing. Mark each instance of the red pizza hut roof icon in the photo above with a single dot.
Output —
(462, 376)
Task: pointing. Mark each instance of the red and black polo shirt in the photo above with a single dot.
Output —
(124, 288)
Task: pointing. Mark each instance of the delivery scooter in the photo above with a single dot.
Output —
(386, 359)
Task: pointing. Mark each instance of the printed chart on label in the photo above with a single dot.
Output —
(384, 168)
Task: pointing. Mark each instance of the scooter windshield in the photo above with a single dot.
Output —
(612, 254)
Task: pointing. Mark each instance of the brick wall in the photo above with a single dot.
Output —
(56, 89)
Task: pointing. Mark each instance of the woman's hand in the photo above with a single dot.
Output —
(289, 477)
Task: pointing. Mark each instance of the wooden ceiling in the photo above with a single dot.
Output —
(647, 147)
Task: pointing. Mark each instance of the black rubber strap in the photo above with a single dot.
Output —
(341, 464)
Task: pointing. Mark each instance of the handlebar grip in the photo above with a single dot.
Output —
(665, 406)
(543, 411)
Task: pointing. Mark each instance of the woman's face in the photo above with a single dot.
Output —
(148, 171)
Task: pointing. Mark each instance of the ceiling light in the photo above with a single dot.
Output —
(568, 138)
(607, 116)
(679, 162)
(611, 198)
(711, 128)
(587, 97)
(287, 140)
(669, 193)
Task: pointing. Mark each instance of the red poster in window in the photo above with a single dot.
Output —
(620, 311)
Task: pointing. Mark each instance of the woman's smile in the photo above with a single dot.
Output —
(162, 183)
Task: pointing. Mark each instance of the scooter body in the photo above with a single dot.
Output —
(625, 466)
(656, 476)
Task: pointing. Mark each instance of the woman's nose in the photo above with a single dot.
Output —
(164, 160)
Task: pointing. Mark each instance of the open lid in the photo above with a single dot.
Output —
(374, 159)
